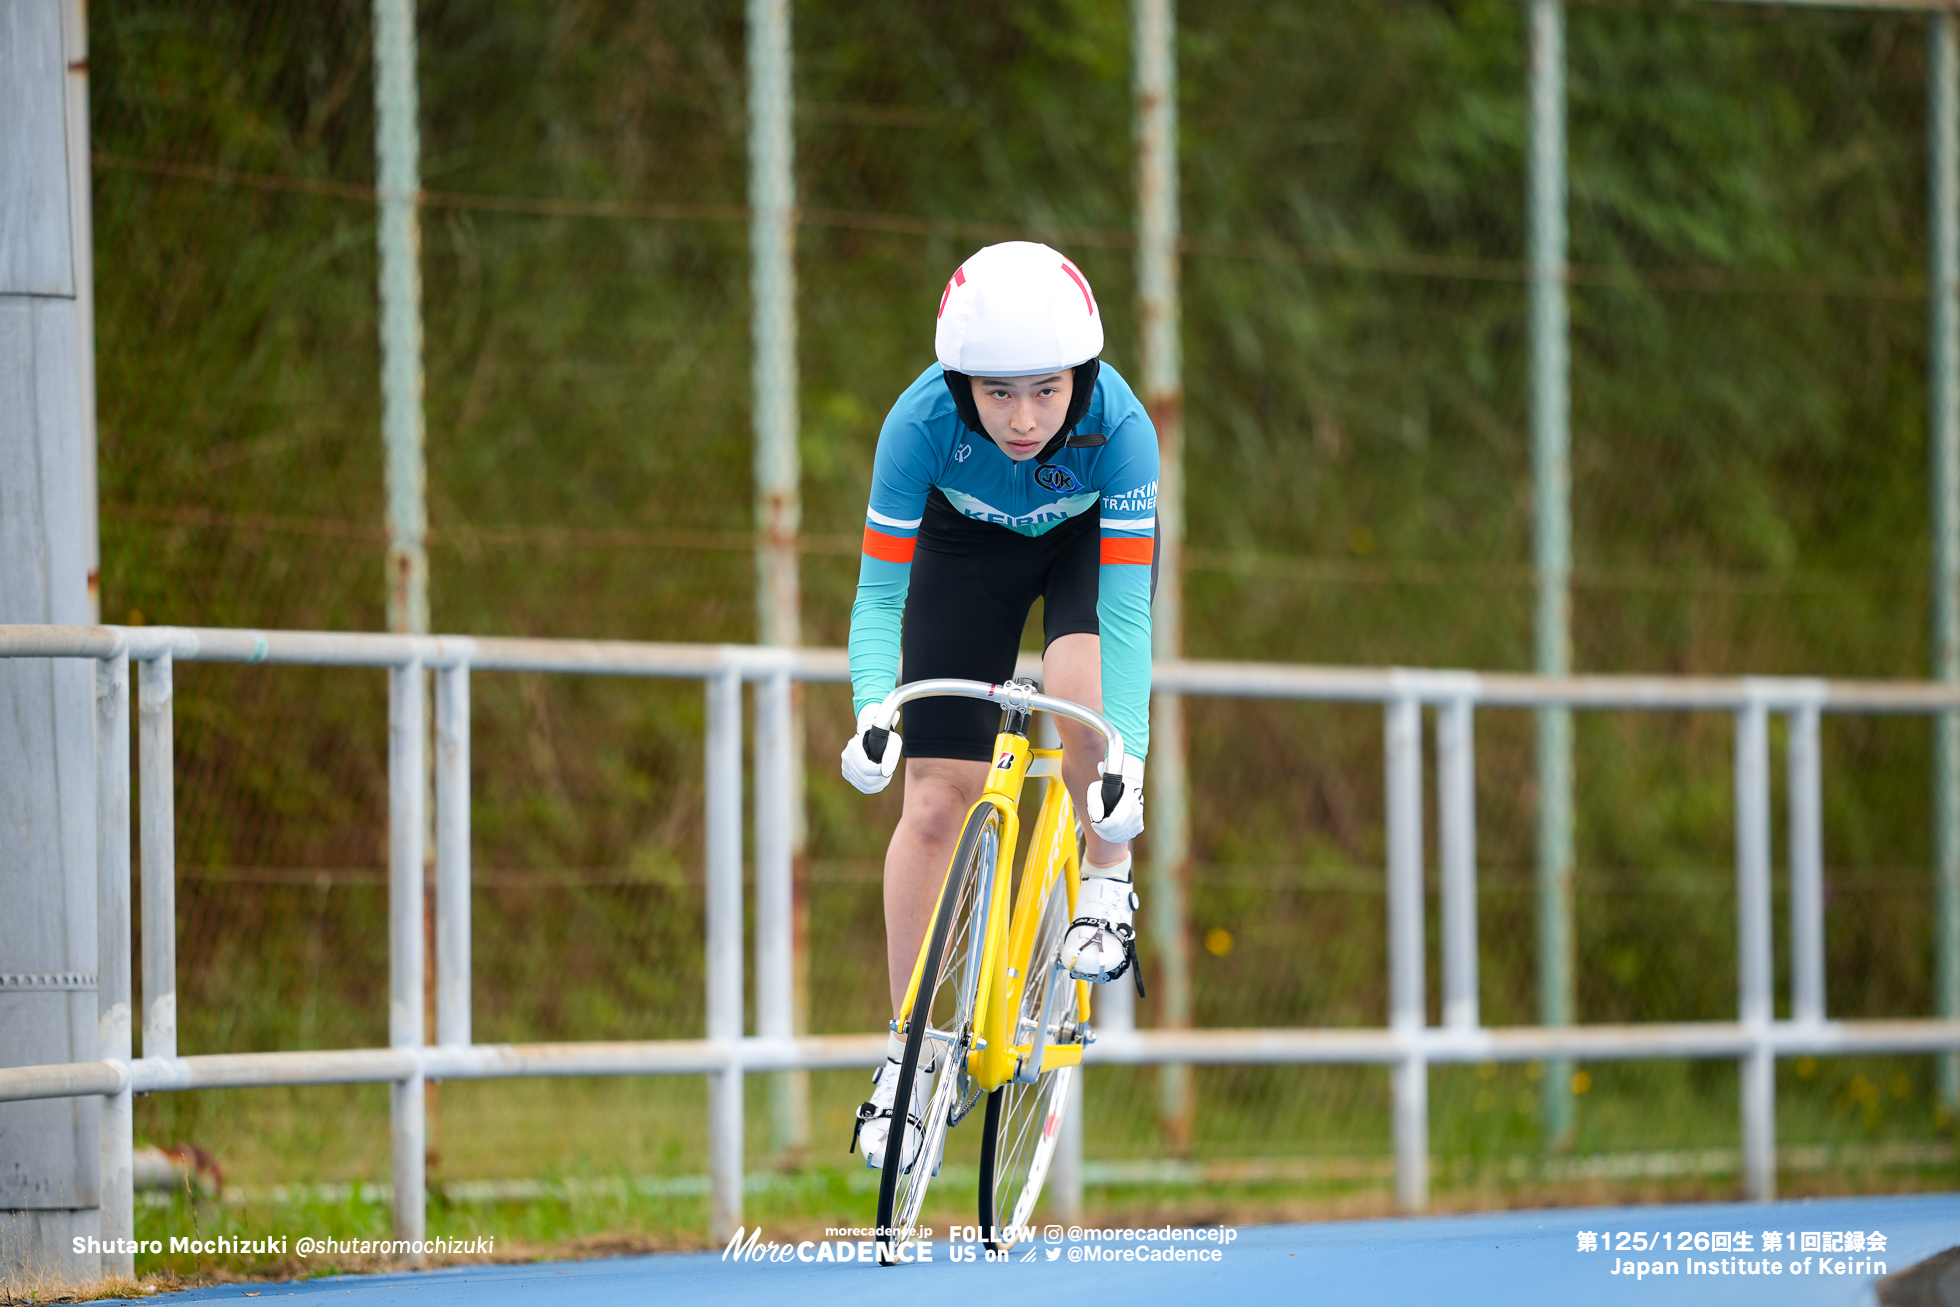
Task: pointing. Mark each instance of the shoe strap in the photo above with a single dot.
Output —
(1128, 935)
(868, 1112)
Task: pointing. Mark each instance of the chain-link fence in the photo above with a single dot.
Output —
(1748, 239)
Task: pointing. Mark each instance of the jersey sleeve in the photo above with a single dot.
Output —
(1128, 485)
(901, 477)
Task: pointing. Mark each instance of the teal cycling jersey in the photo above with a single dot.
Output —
(924, 446)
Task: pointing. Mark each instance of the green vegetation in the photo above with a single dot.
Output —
(1747, 224)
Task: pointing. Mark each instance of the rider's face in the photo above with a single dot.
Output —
(1023, 413)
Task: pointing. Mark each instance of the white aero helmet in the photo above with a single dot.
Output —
(1015, 310)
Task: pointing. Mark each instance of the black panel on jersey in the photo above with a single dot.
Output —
(973, 584)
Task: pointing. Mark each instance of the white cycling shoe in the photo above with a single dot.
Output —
(1101, 941)
(874, 1118)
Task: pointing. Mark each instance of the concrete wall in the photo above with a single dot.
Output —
(48, 1153)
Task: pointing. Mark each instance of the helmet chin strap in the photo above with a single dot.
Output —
(960, 385)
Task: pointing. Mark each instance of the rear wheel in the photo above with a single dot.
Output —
(1024, 1121)
(939, 1033)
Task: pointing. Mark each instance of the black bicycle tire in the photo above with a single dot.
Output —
(989, 1133)
(915, 1035)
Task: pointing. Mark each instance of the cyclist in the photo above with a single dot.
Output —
(1018, 466)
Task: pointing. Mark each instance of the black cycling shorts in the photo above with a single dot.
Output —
(973, 584)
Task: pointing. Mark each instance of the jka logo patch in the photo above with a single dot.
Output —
(1058, 479)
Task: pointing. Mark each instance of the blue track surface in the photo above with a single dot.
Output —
(1511, 1258)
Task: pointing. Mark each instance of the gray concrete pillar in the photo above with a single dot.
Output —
(49, 1166)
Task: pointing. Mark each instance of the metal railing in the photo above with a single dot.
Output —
(1407, 1044)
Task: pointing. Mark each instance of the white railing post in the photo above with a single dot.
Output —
(1166, 888)
(398, 245)
(1806, 803)
(408, 1126)
(453, 855)
(1546, 195)
(775, 887)
(1456, 786)
(117, 1139)
(1943, 433)
(156, 692)
(1407, 1006)
(724, 932)
(778, 520)
(1752, 909)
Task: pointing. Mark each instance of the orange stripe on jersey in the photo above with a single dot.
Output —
(888, 549)
(1123, 549)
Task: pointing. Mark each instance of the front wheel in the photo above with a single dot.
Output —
(939, 1030)
(1024, 1121)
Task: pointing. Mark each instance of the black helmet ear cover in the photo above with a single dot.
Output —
(1079, 397)
(960, 386)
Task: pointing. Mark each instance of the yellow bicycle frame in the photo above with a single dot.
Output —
(994, 1060)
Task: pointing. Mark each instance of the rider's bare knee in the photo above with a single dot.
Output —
(935, 808)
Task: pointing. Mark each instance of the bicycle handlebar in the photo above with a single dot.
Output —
(1019, 695)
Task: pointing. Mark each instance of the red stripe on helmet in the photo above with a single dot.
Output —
(959, 279)
(1087, 298)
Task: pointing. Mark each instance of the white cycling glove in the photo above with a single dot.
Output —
(872, 755)
(1116, 803)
